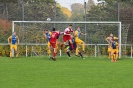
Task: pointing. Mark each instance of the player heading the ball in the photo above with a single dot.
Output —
(67, 36)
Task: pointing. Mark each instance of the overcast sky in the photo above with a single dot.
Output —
(67, 3)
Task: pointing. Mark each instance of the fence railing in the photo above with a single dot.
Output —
(96, 48)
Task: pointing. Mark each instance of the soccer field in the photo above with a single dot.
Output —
(40, 72)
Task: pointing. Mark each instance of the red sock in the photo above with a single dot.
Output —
(54, 54)
(72, 46)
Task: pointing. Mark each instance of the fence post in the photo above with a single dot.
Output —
(31, 51)
(26, 50)
(95, 50)
(131, 51)
(12, 53)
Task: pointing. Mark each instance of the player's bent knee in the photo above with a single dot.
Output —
(83, 42)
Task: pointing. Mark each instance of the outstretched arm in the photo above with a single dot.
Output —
(9, 40)
(116, 38)
(44, 35)
(83, 33)
(107, 40)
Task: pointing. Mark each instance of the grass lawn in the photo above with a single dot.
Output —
(40, 72)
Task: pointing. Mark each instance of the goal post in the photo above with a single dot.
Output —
(62, 24)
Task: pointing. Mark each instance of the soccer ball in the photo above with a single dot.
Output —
(48, 19)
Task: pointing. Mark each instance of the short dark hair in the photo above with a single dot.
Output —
(45, 30)
(70, 25)
(53, 29)
(77, 27)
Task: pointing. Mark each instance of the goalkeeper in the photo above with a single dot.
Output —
(69, 48)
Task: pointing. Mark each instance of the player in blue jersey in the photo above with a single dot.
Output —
(78, 41)
(114, 50)
(69, 48)
(13, 41)
(47, 35)
(109, 39)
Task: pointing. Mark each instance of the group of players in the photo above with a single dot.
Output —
(70, 36)
(113, 48)
(74, 41)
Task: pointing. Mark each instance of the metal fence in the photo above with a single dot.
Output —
(95, 50)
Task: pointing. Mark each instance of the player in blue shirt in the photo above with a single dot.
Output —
(13, 41)
(47, 35)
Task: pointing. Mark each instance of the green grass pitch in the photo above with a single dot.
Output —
(40, 72)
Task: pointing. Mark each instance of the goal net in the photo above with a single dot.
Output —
(33, 42)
